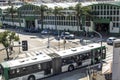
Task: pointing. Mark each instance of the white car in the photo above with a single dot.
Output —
(110, 40)
(67, 35)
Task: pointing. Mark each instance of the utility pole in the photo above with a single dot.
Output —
(58, 41)
(48, 39)
(64, 42)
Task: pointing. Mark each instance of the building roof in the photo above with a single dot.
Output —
(67, 4)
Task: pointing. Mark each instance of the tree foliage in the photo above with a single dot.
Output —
(80, 12)
(6, 38)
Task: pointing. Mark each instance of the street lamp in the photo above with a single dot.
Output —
(48, 40)
(58, 40)
(101, 46)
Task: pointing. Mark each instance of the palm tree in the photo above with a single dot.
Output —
(11, 10)
(43, 8)
(56, 12)
(80, 12)
(19, 16)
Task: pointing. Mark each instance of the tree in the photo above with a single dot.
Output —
(43, 8)
(80, 12)
(11, 10)
(56, 12)
(6, 38)
(19, 15)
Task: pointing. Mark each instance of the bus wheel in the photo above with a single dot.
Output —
(32, 77)
(70, 68)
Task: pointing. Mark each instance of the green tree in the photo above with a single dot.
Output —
(6, 38)
(11, 10)
(80, 12)
(56, 12)
(43, 8)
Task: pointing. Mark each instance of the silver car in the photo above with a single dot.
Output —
(67, 35)
(110, 40)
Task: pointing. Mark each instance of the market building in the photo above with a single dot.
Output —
(106, 17)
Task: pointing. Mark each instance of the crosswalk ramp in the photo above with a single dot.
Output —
(45, 50)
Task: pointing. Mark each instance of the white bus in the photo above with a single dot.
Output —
(43, 65)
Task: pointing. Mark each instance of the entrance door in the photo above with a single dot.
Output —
(102, 28)
(30, 24)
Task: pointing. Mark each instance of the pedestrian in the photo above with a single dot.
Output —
(94, 76)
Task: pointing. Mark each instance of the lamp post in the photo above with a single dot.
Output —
(19, 46)
(58, 40)
(101, 47)
(48, 40)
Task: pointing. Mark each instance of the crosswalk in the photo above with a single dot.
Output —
(109, 58)
(44, 50)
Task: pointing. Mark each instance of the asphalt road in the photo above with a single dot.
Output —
(37, 42)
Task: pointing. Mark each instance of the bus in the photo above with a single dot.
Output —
(43, 65)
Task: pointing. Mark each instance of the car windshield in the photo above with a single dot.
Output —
(66, 33)
(112, 38)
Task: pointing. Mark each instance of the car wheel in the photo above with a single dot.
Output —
(32, 77)
(70, 68)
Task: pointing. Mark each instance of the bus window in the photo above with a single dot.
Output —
(46, 65)
(68, 60)
(18, 70)
(39, 66)
(80, 56)
(104, 53)
(86, 56)
(12, 72)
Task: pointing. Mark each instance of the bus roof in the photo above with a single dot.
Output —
(42, 57)
(78, 50)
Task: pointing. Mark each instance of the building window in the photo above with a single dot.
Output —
(107, 12)
(104, 6)
(107, 7)
(117, 11)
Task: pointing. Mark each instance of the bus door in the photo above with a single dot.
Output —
(56, 65)
(96, 55)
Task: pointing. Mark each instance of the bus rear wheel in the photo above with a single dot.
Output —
(32, 77)
(70, 68)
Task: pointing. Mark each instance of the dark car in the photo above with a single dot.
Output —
(67, 35)
(26, 29)
(56, 33)
(32, 30)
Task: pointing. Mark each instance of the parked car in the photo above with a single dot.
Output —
(55, 33)
(110, 40)
(26, 29)
(32, 30)
(67, 35)
(45, 32)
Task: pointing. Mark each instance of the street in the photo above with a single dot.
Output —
(38, 42)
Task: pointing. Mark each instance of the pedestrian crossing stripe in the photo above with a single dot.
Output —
(109, 56)
(45, 51)
(29, 54)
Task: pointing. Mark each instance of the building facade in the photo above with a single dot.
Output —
(105, 18)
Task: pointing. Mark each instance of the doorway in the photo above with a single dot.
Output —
(102, 27)
(30, 24)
